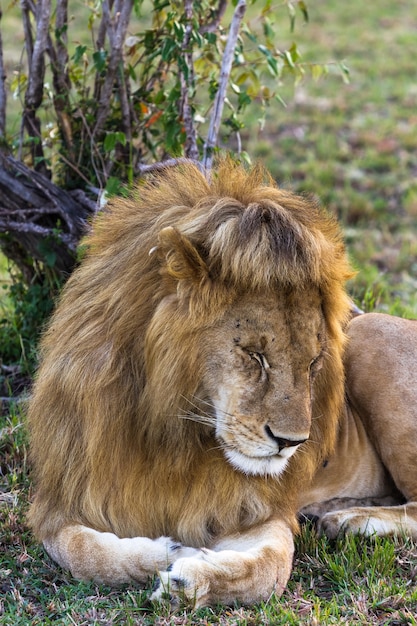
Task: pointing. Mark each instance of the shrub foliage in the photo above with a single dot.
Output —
(109, 96)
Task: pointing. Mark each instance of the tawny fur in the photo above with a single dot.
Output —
(369, 485)
(119, 362)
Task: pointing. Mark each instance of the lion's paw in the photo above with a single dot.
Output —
(186, 580)
(351, 521)
(174, 550)
(160, 554)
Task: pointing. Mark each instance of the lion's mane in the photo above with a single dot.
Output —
(118, 363)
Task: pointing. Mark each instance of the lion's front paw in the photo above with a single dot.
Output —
(187, 580)
(173, 550)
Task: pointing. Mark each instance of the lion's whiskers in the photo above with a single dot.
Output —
(209, 404)
(201, 419)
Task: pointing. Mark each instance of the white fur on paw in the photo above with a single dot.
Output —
(174, 550)
(184, 581)
(341, 522)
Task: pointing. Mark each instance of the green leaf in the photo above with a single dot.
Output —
(112, 139)
(100, 59)
(244, 100)
(288, 59)
(179, 30)
(113, 187)
(79, 53)
(317, 72)
(291, 12)
(345, 73)
(169, 47)
(304, 10)
(211, 38)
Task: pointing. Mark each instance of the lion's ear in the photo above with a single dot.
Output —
(183, 262)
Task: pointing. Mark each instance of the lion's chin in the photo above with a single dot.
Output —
(256, 466)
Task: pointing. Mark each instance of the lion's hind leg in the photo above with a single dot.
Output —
(367, 517)
(105, 558)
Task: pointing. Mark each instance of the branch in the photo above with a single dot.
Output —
(34, 91)
(35, 229)
(27, 29)
(125, 108)
(33, 98)
(61, 80)
(2, 90)
(226, 68)
(117, 27)
(191, 150)
(161, 165)
(210, 27)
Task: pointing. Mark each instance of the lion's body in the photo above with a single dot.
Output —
(197, 347)
(369, 484)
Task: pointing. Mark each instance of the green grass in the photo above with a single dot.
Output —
(348, 581)
(356, 147)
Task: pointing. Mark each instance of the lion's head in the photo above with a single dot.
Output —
(200, 341)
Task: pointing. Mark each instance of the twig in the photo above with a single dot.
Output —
(210, 27)
(217, 113)
(162, 165)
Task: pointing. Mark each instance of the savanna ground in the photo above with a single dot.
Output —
(355, 146)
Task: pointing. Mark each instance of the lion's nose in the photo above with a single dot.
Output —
(283, 442)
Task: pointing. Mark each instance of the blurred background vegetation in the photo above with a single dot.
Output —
(324, 95)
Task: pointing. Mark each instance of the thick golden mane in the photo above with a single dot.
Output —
(118, 363)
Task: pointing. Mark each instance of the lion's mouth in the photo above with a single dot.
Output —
(266, 465)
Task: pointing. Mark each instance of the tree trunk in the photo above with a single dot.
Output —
(39, 220)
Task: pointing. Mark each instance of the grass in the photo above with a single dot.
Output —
(356, 147)
(348, 581)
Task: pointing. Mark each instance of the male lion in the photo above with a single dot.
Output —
(191, 383)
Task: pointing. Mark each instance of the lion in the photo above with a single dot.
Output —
(191, 394)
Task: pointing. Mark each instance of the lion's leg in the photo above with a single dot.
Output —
(316, 510)
(106, 558)
(247, 568)
(379, 520)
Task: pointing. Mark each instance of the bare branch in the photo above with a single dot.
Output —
(27, 29)
(61, 23)
(211, 26)
(117, 28)
(191, 150)
(61, 80)
(105, 20)
(124, 96)
(34, 91)
(227, 62)
(162, 165)
(29, 227)
(2, 89)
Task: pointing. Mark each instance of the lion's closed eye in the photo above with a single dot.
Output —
(316, 364)
(260, 359)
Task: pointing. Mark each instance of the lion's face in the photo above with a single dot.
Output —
(261, 360)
